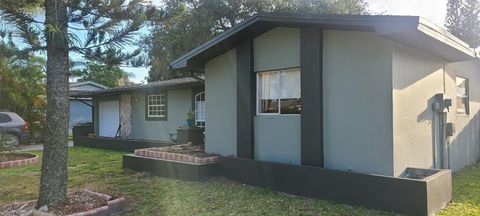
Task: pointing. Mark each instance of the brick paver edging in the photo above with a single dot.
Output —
(113, 207)
(155, 153)
(15, 163)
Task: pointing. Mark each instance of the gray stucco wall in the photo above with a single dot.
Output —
(357, 102)
(377, 104)
(179, 102)
(417, 77)
(276, 49)
(220, 100)
(277, 137)
(465, 144)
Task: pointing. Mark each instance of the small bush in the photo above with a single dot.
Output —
(5, 148)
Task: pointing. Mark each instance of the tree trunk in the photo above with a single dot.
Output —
(53, 182)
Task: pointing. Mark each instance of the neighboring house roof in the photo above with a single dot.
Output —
(409, 30)
(152, 86)
(87, 86)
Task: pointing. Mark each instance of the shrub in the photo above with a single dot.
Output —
(5, 148)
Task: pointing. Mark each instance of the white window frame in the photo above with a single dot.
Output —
(467, 96)
(278, 72)
(199, 95)
(162, 104)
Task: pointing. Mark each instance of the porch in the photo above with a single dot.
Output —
(83, 136)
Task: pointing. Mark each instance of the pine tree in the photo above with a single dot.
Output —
(454, 18)
(186, 24)
(471, 22)
(463, 20)
(107, 24)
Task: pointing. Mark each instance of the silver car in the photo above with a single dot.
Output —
(13, 128)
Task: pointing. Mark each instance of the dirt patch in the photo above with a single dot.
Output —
(185, 149)
(77, 202)
(4, 157)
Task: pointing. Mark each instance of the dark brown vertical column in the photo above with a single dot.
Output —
(311, 60)
(246, 89)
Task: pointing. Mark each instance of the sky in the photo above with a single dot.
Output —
(433, 10)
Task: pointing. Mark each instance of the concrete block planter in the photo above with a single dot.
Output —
(420, 192)
(171, 168)
(29, 159)
(417, 192)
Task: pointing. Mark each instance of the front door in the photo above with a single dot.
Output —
(108, 118)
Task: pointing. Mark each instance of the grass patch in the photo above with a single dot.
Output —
(466, 192)
(101, 170)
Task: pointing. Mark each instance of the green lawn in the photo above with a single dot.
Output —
(102, 171)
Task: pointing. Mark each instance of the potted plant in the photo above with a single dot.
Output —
(190, 118)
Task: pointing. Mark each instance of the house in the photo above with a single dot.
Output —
(149, 112)
(364, 94)
(366, 110)
(81, 109)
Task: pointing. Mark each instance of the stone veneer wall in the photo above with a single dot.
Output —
(126, 116)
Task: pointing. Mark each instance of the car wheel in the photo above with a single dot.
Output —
(12, 139)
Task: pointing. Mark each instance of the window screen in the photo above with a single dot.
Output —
(462, 95)
(278, 92)
(200, 110)
(156, 106)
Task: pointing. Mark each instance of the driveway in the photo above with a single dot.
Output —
(37, 147)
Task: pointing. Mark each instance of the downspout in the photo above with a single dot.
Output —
(438, 131)
(436, 127)
(447, 103)
(443, 121)
(441, 107)
(444, 140)
(445, 136)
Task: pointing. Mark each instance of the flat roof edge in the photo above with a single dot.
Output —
(416, 23)
(182, 61)
(440, 34)
(135, 88)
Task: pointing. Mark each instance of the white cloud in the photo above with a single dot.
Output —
(433, 10)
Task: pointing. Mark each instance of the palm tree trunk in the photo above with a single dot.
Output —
(53, 182)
